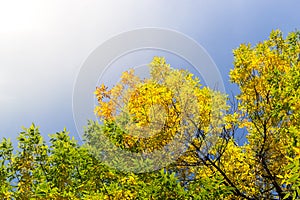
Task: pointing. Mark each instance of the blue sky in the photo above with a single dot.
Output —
(43, 45)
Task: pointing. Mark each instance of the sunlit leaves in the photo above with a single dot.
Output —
(152, 111)
(267, 75)
(144, 115)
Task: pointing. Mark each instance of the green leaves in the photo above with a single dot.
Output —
(212, 166)
(65, 170)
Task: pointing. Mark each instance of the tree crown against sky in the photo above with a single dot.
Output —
(143, 116)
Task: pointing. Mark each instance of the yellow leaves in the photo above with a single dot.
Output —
(153, 110)
(116, 91)
(262, 73)
(8, 195)
(172, 103)
(149, 106)
(158, 62)
(237, 165)
(230, 120)
(267, 78)
(130, 179)
(159, 69)
(297, 151)
(245, 124)
(128, 78)
(105, 109)
(101, 92)
(20, 186)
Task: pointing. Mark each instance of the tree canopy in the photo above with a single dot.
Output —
(170, 137)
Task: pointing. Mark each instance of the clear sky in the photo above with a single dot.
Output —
(43, 44)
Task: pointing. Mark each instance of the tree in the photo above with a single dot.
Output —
(65, 170)
(141, 119)
(268, 77)
(151, 112)
(170, 105)
(267, 106)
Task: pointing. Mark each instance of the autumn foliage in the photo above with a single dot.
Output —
(131, 153)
